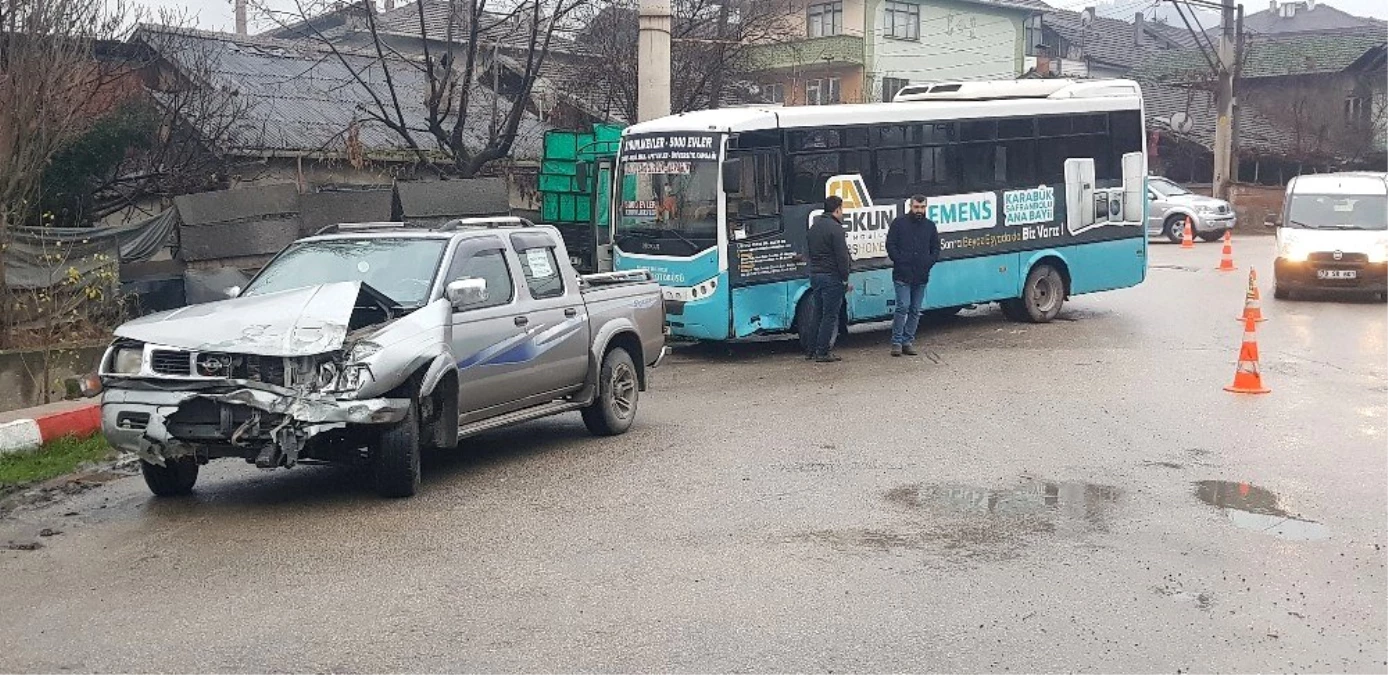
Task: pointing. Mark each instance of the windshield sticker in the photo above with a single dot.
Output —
(538, 258)
(657, 168)
(679, 147)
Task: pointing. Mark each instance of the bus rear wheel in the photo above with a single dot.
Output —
(1043, 295)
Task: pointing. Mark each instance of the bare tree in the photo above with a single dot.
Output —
(163, 141)
(437, 63)
(52, 86)
(712, 52)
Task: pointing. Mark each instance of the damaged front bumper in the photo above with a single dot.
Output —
(271, 425)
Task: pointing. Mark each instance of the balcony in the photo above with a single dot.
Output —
(837, 51)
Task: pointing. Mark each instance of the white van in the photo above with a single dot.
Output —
(1333, 234)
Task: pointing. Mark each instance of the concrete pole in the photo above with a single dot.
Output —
(241, 27)
(653, 61)
(1224, 102)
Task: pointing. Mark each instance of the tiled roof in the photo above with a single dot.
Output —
(1269, 56)
(1110, 41)
(441, 16)
(1321, 17)
(1258, 136)
(300, 97)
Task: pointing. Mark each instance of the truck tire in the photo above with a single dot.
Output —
(619, 391)
(395, 457)
(1043, 295)
(175, 479)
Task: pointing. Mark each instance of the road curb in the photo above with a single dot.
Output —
(27, 434)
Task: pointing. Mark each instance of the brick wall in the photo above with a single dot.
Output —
(1252, 203)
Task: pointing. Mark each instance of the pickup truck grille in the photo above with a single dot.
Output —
(172, 362)
(179, 363)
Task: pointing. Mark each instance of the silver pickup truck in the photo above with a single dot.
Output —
(369, 343)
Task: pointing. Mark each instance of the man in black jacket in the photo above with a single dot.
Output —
(830, 263)
(913, 244)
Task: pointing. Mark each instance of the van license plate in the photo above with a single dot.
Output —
(1337, 274)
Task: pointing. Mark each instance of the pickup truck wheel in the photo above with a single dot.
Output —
(175, 479)
(395, 459)
(619, 391)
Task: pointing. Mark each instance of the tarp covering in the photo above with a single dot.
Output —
(41, 257)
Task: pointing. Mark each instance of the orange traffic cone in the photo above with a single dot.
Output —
(1252, 303)
(1188, 241)
(1226, 263)
(1247, 380)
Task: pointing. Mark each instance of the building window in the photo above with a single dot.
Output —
(825, 19)
(891, 86)
(822, 91)
(1356, 110)
(774, 93)
(903, 20)
(1033, 37)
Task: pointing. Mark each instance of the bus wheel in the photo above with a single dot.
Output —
(1042, 297)
(804, 315)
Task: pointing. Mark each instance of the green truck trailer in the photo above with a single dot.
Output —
(575, 191)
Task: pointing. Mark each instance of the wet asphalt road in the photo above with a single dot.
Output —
(1074, 496)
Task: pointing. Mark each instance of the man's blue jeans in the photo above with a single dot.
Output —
(907, 318)
(827, 292)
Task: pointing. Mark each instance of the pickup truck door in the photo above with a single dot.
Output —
(483, 332)
(555, 316)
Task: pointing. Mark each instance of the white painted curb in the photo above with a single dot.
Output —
(20, 435)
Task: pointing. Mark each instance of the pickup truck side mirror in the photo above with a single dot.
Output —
(1270, 221)
(466, 292)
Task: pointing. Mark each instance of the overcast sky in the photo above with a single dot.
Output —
(216, 14)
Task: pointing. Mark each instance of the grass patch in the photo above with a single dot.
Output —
(53, 460)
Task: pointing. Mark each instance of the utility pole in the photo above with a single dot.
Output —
(1224, 102)
(240, 12)
(1238, 79)
(653, 60)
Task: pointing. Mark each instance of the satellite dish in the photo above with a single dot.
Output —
(1182, 122)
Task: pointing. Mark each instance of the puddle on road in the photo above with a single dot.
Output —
(1253, 508)
(971, 522)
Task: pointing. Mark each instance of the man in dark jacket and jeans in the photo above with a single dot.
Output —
(913, 244)
(829, 266)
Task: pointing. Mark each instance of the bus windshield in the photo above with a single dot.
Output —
(668, 207)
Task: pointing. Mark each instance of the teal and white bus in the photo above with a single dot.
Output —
(1038, 188)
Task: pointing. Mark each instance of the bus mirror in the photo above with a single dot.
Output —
(732, 175)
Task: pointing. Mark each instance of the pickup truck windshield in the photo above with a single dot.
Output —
(401, 269)
(1338, 212)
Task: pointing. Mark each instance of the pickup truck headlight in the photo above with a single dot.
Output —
(127, 360)
(363, 350)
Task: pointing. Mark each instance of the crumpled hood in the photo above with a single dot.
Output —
(299, 322)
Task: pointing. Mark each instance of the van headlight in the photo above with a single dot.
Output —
(1293, 252)
(127, 359)
(1379, 254)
